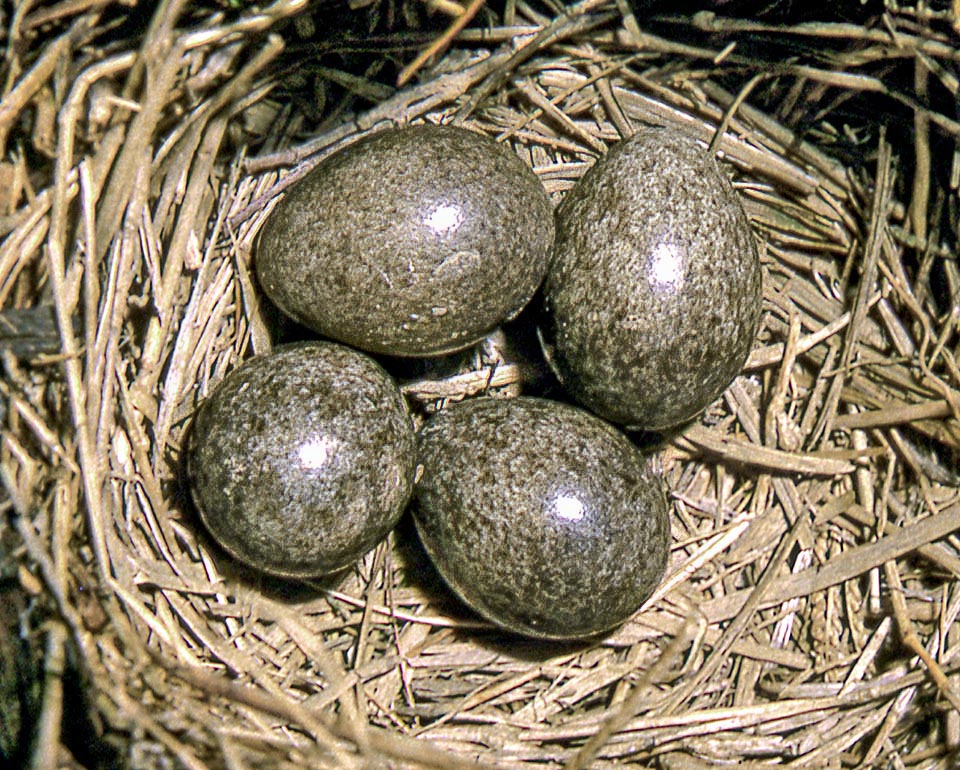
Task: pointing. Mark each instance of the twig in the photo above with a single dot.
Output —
(909, 636)
(410, 617)
(528, 89)
(774, 460)
(46, 739)
(907, 45)
(900, 413)
(614, 110)
(406, 105)
(632, 703)
(772, 354)
(13, 103)
(732, 110)
(56, 247)
(850, 564)
(165, 57)
(569, 21)
(61, 10)
(441, 44)
(879, 214)
(399, 747)
(921, 143)
(770, 576)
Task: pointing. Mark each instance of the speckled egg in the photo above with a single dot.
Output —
(653, 295)
(540, 516)
(302, 460)
(410, 242)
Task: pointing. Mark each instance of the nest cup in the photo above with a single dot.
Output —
(808, 613)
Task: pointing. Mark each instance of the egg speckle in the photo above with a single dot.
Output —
(302, 460)
(541, 517)
(410, 242)
(653, 295)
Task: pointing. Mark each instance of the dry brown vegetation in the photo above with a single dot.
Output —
(809, 615)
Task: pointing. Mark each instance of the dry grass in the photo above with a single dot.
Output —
(809, 614)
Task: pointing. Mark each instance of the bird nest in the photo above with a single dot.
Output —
(808, 614)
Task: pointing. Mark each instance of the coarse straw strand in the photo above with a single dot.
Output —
(808, 617)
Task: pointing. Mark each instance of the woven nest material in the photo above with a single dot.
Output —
(808, 616)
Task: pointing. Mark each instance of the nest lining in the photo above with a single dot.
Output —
(812, 506)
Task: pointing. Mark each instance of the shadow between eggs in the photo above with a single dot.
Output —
(521, 346)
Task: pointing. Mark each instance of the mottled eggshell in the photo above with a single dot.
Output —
(302, 460)
(653, 295)
(541, 517)
(411, 242)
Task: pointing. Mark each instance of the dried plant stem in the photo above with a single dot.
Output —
(323, 727)
(910, 638)
(440, 44)
(640, 689)
(848, 565)
(823, 475)
(46, 739)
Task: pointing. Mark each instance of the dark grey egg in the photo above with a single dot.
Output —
(541, 517)
(411, 242)
(302, 460)
(653, 295)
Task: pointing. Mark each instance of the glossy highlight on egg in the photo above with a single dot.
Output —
(653, 295)
(414, 241)
(543, 518)
(302, 460)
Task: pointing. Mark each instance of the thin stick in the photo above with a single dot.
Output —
(619, 719)
(909, 636)
(898, 413)
(46, 739)
(849, 564)
(441, 43)
(774, 460)
(13, 103)
(921, 142)
(68, 8)
(763, 588)
(732, 110)
(397, 746)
